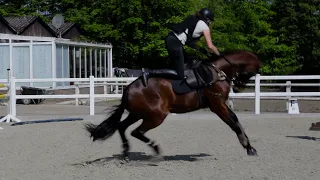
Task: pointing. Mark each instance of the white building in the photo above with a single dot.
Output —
(32, 57)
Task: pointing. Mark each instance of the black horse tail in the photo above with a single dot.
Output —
(109, 126)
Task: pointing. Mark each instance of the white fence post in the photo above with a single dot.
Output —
(230, 100)
(117, 88)
(288, 90)
(13, 100)
(77, 92)
(105, 88)
(91, 79)
(257, 94)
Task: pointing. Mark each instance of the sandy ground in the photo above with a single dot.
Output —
(195, 146)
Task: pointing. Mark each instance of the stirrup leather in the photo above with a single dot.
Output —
(144, 77)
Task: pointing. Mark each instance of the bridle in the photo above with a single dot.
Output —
(235, 73)
(234, 69)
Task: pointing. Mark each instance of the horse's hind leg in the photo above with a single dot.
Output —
(146, 125)
(131, 119)
(230, 118)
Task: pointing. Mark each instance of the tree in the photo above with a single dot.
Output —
(136, 28)
(284, 34)
(298, 23)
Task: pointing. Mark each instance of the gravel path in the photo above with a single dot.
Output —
(193, 150)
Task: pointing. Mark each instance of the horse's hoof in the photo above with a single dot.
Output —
(125, 159)
(156, 148)
(252, 152)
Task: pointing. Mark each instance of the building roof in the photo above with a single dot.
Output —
(19, 23)
(7, 23)
(63, 29)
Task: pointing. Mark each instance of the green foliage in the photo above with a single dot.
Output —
(285, 34)
(298, 22)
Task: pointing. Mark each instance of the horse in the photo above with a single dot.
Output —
(207, 86)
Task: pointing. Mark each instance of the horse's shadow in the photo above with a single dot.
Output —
(305, 137)
(142, 157)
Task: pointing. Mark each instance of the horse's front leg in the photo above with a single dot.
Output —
(229, 117)
(238, 129)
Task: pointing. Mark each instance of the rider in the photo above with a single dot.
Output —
(186, 33)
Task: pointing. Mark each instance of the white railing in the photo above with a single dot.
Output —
(115, 87)
(91, 94)
(257, 94)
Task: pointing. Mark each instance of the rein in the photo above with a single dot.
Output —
(235, 73)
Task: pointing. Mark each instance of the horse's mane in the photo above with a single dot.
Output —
(228, 52)
(214, 58)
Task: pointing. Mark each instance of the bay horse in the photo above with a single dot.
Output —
(208, 87)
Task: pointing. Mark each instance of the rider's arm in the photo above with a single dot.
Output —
(207, 36)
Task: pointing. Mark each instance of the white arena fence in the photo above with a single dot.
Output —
(93, 82)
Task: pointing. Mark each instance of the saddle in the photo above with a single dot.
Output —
(198, 75)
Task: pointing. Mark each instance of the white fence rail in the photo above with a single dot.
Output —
(257, 94)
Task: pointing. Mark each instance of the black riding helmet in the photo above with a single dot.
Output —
(206, 14)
